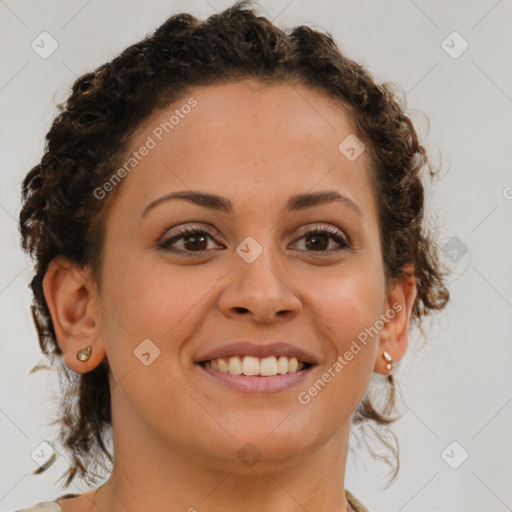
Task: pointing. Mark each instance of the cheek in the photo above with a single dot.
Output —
(345, 303)
(157, 302)
(344, 311)
(346, 307)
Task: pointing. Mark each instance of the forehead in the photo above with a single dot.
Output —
(256, 119)
(251, 139)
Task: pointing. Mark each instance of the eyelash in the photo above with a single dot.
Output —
(187, 231)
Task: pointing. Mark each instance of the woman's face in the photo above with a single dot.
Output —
(255, 276)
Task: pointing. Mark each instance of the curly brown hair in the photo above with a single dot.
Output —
(62, 216)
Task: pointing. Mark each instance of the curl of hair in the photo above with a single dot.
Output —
(60, 214)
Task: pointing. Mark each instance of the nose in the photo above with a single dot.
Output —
(260, 290)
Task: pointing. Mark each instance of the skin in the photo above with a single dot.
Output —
(177, 434)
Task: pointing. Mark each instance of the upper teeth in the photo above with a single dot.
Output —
(250, 365)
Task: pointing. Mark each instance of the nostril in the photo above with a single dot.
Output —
(241, 310)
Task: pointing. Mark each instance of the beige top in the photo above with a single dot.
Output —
(53, 506)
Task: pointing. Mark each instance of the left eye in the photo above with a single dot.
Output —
(318, 239)
(195, 240)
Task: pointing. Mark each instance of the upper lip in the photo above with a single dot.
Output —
(248, 348)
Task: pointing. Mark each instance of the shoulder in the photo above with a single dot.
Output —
(47, 506)
(44, 506)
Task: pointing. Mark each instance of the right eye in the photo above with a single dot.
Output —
(194, 242)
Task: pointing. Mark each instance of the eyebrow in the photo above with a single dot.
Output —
(222, 204)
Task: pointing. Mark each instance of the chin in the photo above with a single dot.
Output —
(264, 450)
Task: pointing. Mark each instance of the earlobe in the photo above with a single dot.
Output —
(394, 335)
(68, 292)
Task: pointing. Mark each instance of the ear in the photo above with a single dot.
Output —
(68, 290)
(397, 314)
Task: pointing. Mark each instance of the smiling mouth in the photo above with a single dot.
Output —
(256, 366)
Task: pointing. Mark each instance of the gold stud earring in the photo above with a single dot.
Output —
(84, 354)
(389, 360)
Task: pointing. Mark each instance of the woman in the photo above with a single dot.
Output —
(230, 245)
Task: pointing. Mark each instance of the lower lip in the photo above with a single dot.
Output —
(258, 385)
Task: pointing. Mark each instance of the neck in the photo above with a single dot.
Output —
(178, 479)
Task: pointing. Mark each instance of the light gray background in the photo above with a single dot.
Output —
(458, 388)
